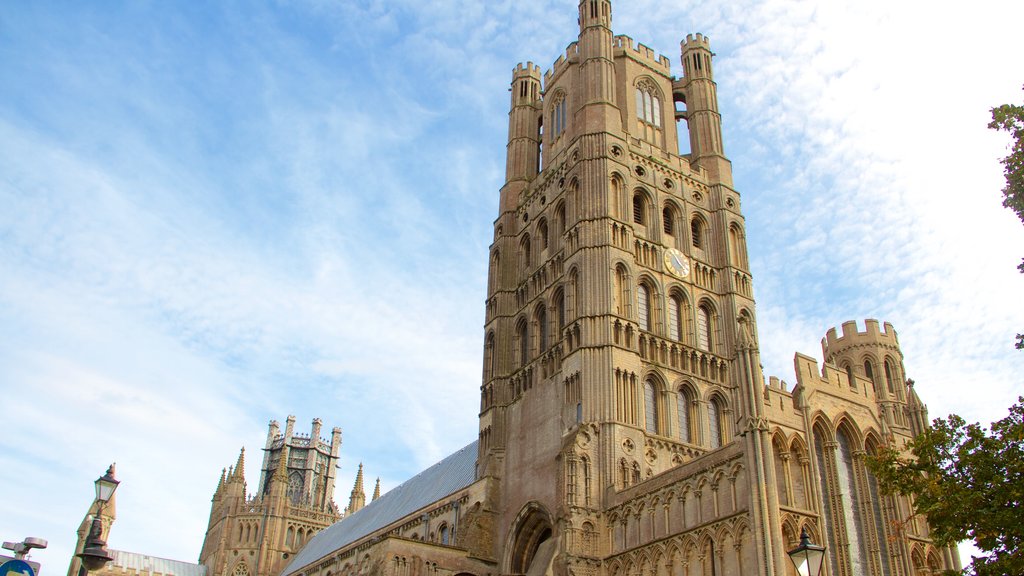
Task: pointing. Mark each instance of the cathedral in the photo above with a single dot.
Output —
(625, 427)
(250, 534)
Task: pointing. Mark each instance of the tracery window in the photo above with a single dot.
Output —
(558, 116)
(648, 111)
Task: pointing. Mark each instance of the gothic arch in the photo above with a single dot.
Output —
(617, 201)
(641, 206)
(671, 221)
(699, 231)
(543, 239)
(737, 246)
(525, 252)
(529, 532)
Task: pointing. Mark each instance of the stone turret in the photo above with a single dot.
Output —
(697, 89)
(873, 355)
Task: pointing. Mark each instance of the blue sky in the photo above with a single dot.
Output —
(217, 214)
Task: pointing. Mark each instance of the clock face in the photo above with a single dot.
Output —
(677, 263)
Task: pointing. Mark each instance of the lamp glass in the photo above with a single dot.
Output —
(807, 557)
(105, 486)
(808, 562)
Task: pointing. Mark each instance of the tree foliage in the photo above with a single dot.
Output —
(1010, 118)
(968, 483)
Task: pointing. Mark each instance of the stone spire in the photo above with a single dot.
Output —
(358, 498)
(376, 490)
(239, 471)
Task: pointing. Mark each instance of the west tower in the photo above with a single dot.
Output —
(620, 333)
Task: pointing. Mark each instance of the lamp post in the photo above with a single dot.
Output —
(807, 557)
(95, 554)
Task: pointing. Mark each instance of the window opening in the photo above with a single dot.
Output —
(643, 297)
(651, 407)
(704, 328)
(697, 231)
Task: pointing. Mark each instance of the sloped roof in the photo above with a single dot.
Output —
(442, 479)
(141, 563)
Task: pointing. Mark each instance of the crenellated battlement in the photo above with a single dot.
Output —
(695, 41)
(643, 53)
(528, 70)
(572, 51)
(873, 335)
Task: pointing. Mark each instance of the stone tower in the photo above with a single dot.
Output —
(619, 290)
(256, 535)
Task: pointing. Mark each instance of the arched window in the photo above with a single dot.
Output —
(542, 231)
(524, 248)
(489, 357)
(643, 307)
(697, 232)
(620, 290)
(648, 111)
(639, 209)
(558, 116)
(668, 221)
(560, 309)
(684, 407)
(444, 534)
(888, 377)
(675, 318)
(523, 341)
(849, 375)
(849, 497)
(651, 406)
(737, 257)
(542, 329)
(869, 372)
(715, 423)
(560, 219)
(704, 340)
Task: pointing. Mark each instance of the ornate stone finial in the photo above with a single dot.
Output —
(358, 497)
(281, 473)
(376, 490)
(240, 465)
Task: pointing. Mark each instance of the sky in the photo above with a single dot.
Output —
(215, 214)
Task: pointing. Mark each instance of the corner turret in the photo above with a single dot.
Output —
(698, 91)
(873, 356)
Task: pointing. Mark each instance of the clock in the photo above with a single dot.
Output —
(677, 263)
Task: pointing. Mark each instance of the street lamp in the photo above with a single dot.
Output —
(807, 557)
(95, 554)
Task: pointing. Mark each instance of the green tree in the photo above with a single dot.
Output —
(1010, 118)
(968, 483)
